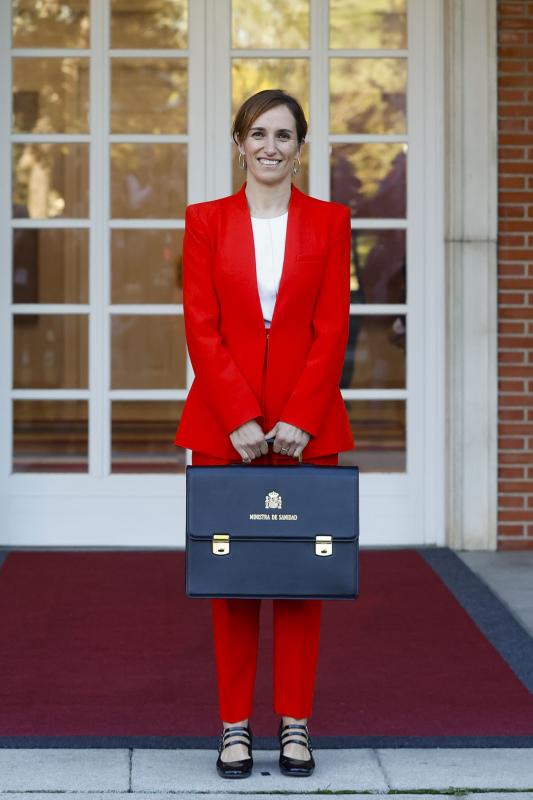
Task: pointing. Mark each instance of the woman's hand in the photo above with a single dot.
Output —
(289, 440)
(249, 440)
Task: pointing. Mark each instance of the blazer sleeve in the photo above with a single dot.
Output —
(311, 397)
(222, 383)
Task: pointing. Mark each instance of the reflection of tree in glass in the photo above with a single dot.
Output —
(381, 256)
(368, 24)
(270, 24)
(149, 95)
(38, 171)
(158, 23)
(50, 179)
(370, 178)
(148, 180)
(50, 23)
(50, 95)
(367, 95)
(251, 75)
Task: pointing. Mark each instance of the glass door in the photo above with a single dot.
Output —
(117, 113)
(357, 67)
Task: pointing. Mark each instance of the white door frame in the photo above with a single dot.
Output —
(102, 509)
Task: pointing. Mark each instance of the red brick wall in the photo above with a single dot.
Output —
(515, 274)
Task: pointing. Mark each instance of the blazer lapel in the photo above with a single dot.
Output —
(246, 262)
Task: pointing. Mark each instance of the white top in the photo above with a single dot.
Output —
(269, 241)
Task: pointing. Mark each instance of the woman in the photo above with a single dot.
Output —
(266, 293)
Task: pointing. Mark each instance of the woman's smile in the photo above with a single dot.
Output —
(269, 162)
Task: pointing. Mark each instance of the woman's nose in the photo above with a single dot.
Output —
(270, 147)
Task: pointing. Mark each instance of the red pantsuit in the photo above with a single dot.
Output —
(291, 374)
(236, 631)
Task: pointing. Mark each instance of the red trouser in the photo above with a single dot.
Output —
(236, 632)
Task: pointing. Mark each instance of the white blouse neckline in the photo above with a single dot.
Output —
(268, 219)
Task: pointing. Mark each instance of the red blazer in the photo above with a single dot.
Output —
(225, 330)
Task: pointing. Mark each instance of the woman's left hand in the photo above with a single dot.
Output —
(289, 439)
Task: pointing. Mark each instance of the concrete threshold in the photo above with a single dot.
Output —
(152, 773)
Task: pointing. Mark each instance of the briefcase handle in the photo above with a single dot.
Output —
(270, 440)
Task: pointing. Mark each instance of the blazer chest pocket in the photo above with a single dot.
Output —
(312, 267)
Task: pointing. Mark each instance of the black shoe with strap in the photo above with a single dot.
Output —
(241, 768)
(297, 767)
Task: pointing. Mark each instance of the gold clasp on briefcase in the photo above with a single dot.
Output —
(323, 545)
(221, 544)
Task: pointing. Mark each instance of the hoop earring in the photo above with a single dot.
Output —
(242, 164)
(297, 170)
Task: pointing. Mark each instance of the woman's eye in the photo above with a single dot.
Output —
(255, 134)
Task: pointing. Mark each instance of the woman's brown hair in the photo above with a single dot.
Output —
(262, 101)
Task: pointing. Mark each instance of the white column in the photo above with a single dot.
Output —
(471, 269)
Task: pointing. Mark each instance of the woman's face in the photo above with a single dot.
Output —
(271, 146)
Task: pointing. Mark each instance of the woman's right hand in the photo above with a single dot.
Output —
(249, 441)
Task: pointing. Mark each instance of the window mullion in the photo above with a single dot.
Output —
(99, 356)
(319, 100)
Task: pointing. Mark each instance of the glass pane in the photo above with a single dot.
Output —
(370, 178)
(378, 428)
(50, 436)
(250, 75)
(148, 352)
(368, 24)
(149, 95)
(51, 24)
(146, 266)
(301, 179)
(148, 180)
(367, 95)
(375, 353)
(379, 266)
(142, 436)
(269, 24)
(50, 180)
(51, 95)
(50, 351)
(158, 23)
(50, 266)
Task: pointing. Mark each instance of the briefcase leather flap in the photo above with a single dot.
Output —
(296, 502)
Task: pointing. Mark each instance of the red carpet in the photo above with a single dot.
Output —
(106, 644)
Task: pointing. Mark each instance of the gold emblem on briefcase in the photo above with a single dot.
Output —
(221, 541)
(273, 500)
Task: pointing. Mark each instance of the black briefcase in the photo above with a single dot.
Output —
(260, 530)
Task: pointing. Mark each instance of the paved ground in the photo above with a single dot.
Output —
(501, 795)
(191, 772)
(414, 774)
(510, 575)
